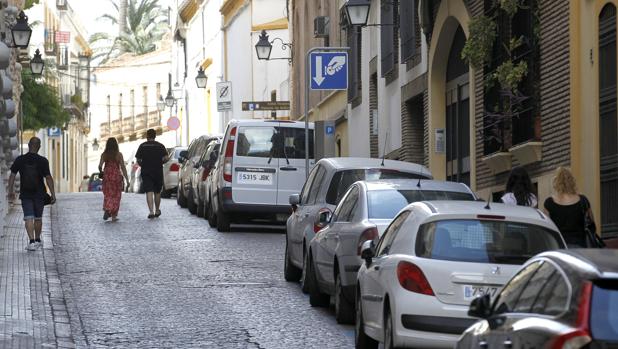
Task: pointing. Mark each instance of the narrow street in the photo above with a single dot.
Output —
(175, 282)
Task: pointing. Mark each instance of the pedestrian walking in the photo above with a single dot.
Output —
(519, 190)
(83, 186)
(151, 155)
(33, 172)
(571, 212)
(111, 166)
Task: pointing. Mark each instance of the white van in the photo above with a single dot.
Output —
(261, 163)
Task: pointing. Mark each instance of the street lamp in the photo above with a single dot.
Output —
(201, 79)
(161, 104)
(169, 99)
(357, 11)
(21, 32)
(36, 63)
(95, 145)
(263, 47)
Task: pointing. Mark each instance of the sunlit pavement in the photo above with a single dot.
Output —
(175, 282)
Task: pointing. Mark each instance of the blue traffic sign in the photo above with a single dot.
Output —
(54, 132)
(329, 70)
(330, 130)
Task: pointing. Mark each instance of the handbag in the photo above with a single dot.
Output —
(592, 239)
(47, 199)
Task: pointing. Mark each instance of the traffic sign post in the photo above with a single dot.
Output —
(326, 69)
(224, 96)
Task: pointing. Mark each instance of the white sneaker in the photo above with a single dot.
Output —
(31, 246)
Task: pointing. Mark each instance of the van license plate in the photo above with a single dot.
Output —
(473, 291)
(258, 178)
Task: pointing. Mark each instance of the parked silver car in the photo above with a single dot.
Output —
(170, 172)
(415, 286)
(199, 177)
(188, 159)
(362, 215)
(328, 181)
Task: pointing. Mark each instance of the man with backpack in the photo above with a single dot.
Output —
(33, 172)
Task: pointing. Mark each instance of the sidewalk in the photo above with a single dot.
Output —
(32, 307)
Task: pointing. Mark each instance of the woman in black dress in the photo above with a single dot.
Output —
(566, 208)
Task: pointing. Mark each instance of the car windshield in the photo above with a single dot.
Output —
(342, 180)
(384, 204)
(484, 241)
(176, 153)
(604, 311)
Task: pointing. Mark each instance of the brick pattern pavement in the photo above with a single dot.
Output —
(32, 307)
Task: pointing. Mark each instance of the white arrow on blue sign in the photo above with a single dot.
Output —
(329, 70)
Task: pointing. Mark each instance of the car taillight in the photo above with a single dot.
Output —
(412, 279)
(580, 336)
(368, 234)
(229, 152)
(174, 168)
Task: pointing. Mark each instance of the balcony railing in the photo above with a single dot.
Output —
(131, 128)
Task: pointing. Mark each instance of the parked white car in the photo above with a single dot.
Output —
(261, 163)
(415, 287)
(328, 181)
(170, 172)
(362, 215)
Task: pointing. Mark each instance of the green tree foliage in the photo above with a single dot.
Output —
(30, 3)
(41, 106)
(479, 46)
(145, 23)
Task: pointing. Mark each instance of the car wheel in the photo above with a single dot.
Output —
(180, 199)
(290, 272)
(166, 194)
(361, 339)
(212, 217)
(389, 337)
(316, 298)
(190, 203)
(344, 309)
(223, 221)
(303, 276)
(200, 208)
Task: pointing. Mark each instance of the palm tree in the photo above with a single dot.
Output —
(141, 24)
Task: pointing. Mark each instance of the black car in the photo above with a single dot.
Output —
(559, 299)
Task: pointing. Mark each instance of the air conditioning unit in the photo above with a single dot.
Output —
(320, 26)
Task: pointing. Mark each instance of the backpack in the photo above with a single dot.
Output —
(30, 177)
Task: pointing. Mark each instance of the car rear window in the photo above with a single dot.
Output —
(604, 311)
(385, 204)
(343, 179)
(176, 153)
(484, 241)
(275, 142)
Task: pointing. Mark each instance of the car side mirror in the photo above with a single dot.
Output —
(480, 307)
(294, 200)
(368, 251)
(324, 217)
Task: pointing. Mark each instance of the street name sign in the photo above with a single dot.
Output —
(266, 105)
(329, 70)
(224, 96)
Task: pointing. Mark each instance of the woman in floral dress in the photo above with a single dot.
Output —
(113, 169)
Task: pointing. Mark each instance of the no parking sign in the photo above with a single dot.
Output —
(173, 123)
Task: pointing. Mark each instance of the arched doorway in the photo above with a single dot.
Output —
(608, 122)
(457, 118)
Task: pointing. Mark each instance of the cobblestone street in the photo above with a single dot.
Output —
(175, 282)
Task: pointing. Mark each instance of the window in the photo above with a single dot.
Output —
(145, 97)
(408, 25)
(389, 41)
(345, 210)
(604, 311)
(132, 101)
(533, 289)
(503, 127)
(354, 39)
(389, 234)
(304, 195)
(317, 184)
(342, 180)
(273, 142)
(484, 241)
(554, 296)
(385, 204)
(510, 293)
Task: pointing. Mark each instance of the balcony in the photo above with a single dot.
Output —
(132, 128)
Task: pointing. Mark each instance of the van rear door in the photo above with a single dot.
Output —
(255, 166)
(292, 169)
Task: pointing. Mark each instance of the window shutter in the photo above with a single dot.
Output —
(387, 37)
(407, 24)
(354, 39)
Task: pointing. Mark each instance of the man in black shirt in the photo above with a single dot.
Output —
(151, 155)
(33, 169)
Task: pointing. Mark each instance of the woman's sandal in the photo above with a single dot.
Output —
(151, 216)
(158, 213)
